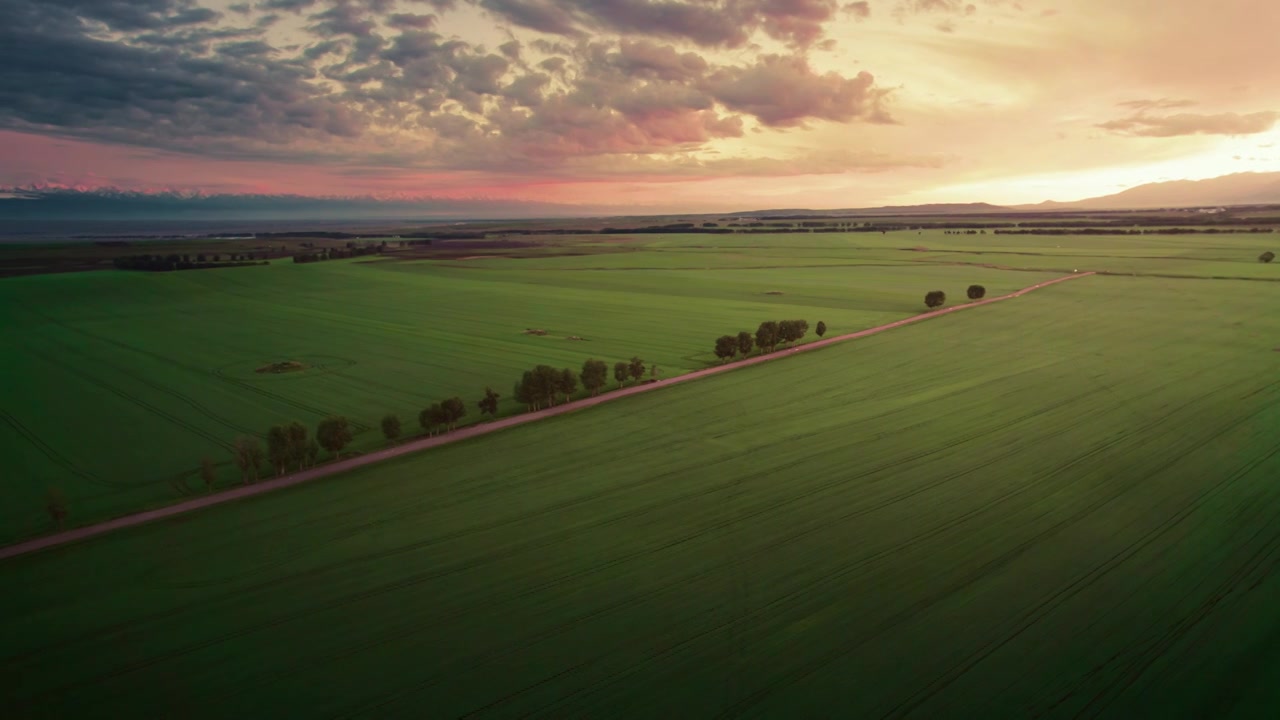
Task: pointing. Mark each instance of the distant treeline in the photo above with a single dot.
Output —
(169, 263)
(1135, 231)
(352, 250)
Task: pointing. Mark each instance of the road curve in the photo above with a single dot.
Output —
(70, 536)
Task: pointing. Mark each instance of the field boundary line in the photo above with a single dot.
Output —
(139, 518)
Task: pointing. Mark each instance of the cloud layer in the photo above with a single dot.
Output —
(642, 97)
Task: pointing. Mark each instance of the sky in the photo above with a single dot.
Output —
(644, 105)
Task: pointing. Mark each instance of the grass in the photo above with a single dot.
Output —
(129, 379)
(1057, 506)
(126, 380)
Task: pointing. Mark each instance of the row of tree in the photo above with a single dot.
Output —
(937, 298)
(768, 336)
(338, 253)
(288, 446)
(543, 384)
(172, 262)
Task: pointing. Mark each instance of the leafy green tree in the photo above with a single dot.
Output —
(429, 418)
(767, 336)
(523, 392)
(785, 331)
(934, 299)
(207, 474)
(489, 403)
(745, 343)
(821, 329)
(546, 383)
(278, 447)
(976, 292)
(636, 368)
(620, 373)
(391, 427)
(595, 373)
(726, 347)
(247, 453)
(800, 328)
(1267, 257)
(297, 443)
(452, 411)
(334, 433)
(567, 383)
(56, 504)
(313, 452)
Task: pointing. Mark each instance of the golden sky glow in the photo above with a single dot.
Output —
(701, 105)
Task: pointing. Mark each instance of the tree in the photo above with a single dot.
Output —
(976, 292)
(523, 392)
(313, 452)
(594, 375)
(767, 336)
(786, 329)
(391, 428)
(934, 299)
(429, 418)
(726, 347)
(334, 433)
(546, 383)
(248, 456)
(278, 447)
(56, 504)
(745, 343)
(792, 330)
(821, 329)
(452, 410)
(1267, 257)
(636, 368)
(297, 443)
(567, 383)
(489, 403)
(207, 474)
(620, 373)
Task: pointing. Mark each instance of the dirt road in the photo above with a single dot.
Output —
(414, 446)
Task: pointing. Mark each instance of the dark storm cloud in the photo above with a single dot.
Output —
(294, 5)
(53, 74)
(121, 15)
(403, 21)
(370, 79)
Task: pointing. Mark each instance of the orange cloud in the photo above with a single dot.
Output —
(1192, 124)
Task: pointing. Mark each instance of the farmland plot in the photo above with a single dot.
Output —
(1046, 508)
(124, 381)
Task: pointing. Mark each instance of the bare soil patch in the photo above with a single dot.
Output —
(535, 331)
(282, 367)
(775, 292)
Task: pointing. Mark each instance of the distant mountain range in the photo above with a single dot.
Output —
(933, 209)
(1248, 188)
(1239, 189)
(39, 204)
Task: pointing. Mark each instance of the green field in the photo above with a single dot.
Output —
(1064, 505)
(124, 381)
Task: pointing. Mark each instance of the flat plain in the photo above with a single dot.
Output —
(127, 380)
(1058, 506)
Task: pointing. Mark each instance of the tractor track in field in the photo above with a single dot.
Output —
(466, 433)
